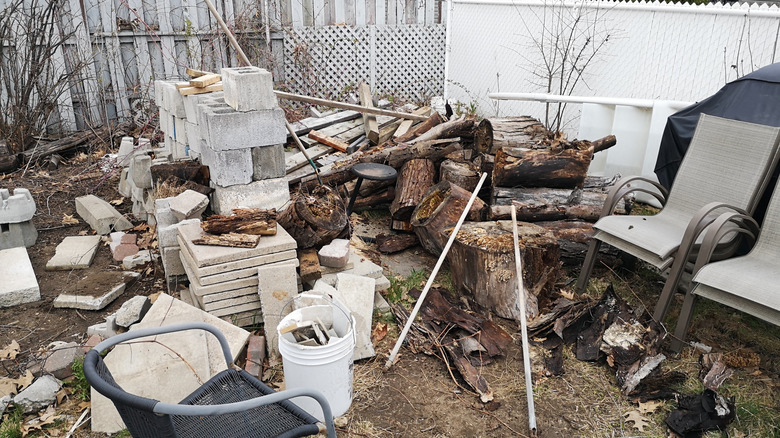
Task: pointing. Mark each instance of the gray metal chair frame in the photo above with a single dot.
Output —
(686, 214)
(148, 417)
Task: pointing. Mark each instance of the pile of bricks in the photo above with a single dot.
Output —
(224, 280)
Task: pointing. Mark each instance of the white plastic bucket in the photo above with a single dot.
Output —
(326, 368)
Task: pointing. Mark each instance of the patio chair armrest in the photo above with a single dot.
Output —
(718, 229)
(227, 408)
(700, 221)
(623, 188)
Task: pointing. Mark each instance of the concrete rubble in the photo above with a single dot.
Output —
(16, 213)
(42, 393)
(335, 254)
(167, 224)
(60, 359)
(18, 285)
(132, 311)
(100, 215)
(74, 252)
(102, 298)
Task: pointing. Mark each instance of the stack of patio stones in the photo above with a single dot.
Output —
(224, 280)
(16, 213)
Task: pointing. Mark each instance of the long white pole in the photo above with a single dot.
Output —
(529, 386)
(435, 271)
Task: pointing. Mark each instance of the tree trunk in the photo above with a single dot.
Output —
(462, 174)
(493, 134)
(413, 181)
(461, 127)
(244, 221)
(573, 239)
(545, 204)
(316, 219)
(483, 265)
(441, 208)
(521, 167)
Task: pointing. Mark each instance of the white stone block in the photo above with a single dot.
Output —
(19, 207)
(18, 284)
(224, 128)
(266, 194)
(188, 205)
(248, 88)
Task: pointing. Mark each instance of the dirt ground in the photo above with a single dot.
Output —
(417, 396)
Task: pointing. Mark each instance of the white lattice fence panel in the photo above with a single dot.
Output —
(410, 61)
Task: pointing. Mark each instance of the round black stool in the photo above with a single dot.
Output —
(370, 171)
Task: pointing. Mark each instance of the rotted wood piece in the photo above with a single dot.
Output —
(309, 265)
(244, 221)
(549, 204)
(188, 171)
(382, 197)
(573, 239)
(462, 174)
(405, 226)
(314, 219)
(482, 265)
(440, 209)
(522, 167)
(230, 239)
(495, 133)
(414, 179)
(389, 244)
(434, 120)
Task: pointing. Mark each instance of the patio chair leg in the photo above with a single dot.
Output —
(587, 266)
(675, 274)
(683, 322)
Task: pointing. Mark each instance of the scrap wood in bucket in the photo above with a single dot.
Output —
(310, 333)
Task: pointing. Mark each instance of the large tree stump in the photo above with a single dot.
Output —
(462, 174)
(546, 204)
(441, 208)
(496, 133)
(415, 178)
(482, 263)
(315, 219)
(521, 167)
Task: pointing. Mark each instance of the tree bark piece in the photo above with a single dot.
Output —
(521, 167)
(440, 209)
(493, 134)
(229, 239)
(547, 204)
(389, 244)
(482, 265)
(573, 239)
(309, 265)
(425, 126)
(397, 225)
(382, 197)
(462, 174)
(414, 179)
(244, 221)
(315, 219)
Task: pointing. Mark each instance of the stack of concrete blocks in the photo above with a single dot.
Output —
(135, 182)
(16, 213)
(224, 280)
(167, 224)
(173, 119)
(242, 135)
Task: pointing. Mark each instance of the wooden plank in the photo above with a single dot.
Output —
(400, 12)
(381, 13)
(206, 80)
(193, 73)
(349, 11)
(141, 47)
(64, 99)
(188, 91)
(230, 17)
(358, 108)
(339, 12)
(298, 160)
(167, 44)
(297, 14)
(309, 265)
(302, 127)
(194, 51)
(430, 11)
(405, 125)
(330, 141)
(91, 106)
(336, 130)
(319, 13)
(391, 6)
(369, 120)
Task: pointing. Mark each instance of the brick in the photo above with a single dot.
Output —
(16, 208)
(255, 354)
(74, 252)
(266, 194)
(18, 285)
(268, 162)
(59, 360)
(188, 205)
(224, 128)
(100, 215)
(228, 168)
(248, 88)
(335, 254)
(22, 234)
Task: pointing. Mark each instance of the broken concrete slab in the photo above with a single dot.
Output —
(380, 303)
(382, 284)
(42, 393)
(188, 205)
(139, 259)
(265, 194)
(324, 270)
(58, 362)
(335, 254)
(148, 369)
(276, 286)
(18, 284)
(22, 234)
(357, 294)
(365, 267)
(132, 311)
(103, 330)
(86, 293)
(204, 255)
(74, 252)
(19, 207)
(100, 215)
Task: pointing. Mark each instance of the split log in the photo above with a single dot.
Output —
(522, 167)
(546, 204)
(483, 266)
(230, 239)
(316, 219)
(461, 127)
(309, 265)
(389, 244)
(414, 179)
(434, 120)
(441, 208)
(9, 163)
(397, 225)
(379, 198)
(462, 174)
(244, 221)
(496, 133)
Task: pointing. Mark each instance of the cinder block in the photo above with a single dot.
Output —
(19, 207)
(224, 128)
(228, 168)
(171, 261)
(100, 215)
(141, 171)
(173, 101)
(179, 151)
(268, 193)
(268, 162)
(193, 137)
(166, 236)
(180, 130)
(124, 187)
(248, 88)
(163, 214)
(188, 205)
(22, 234)
(192, 101)
(165, 120)
(126, 151)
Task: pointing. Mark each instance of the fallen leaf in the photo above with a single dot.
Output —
(25, 380)
(569, 295)
(7, 387)
(61, 395)
(649, 406)
(117, 201)
(640, 421)
(84, 405)
(68, 219)
(379, 332)
(49, 416)
(10, 351)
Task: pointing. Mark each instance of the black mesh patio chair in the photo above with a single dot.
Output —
(233, 403)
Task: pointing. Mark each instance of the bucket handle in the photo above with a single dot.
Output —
(328, 299)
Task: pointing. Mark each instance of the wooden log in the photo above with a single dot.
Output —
(522, 167)
(230, 239)
(315, 219)
(414, 179)
(244, 221)
(406, 125)
(462, 174)
(379, 198)
(335, 143)
(309, 265)
(440, 209)
(546, 204)
(482, 265)
(461, 127)
(573, 239)
(495, 133)
(434, 120)
(397, 225)
(389, 244)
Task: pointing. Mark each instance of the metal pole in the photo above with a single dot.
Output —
(433, 273)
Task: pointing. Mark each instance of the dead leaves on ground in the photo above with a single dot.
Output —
(9, 386)
(10, 351)
(639, 420)
(68, 219)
